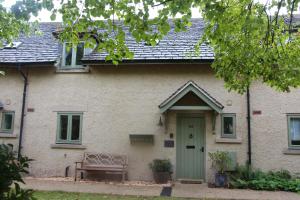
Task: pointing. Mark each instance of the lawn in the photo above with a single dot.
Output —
(39, 195)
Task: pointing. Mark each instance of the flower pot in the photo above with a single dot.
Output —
(161, 177)
(221, 180)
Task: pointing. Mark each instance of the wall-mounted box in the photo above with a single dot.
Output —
(141, 138)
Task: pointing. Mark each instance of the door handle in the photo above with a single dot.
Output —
(202, 149)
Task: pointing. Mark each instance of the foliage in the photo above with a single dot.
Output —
(161, 165)
(252, 40)
(11, 171)
(246, 177)
(24, 9)
(14, 21)
(220, 160)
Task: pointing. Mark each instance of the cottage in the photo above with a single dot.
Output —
(57, 103)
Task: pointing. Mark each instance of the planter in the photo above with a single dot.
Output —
(161, 177)
(221, 180)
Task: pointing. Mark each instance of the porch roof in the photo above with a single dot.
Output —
(191, 86)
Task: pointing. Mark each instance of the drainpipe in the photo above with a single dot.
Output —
(249, 127)
(23, 110)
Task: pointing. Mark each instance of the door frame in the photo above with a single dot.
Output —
(196, 115)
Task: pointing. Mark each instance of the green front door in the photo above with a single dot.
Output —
(190, 147)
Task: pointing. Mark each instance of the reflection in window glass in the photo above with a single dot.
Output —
(75, 127)
(228, 125)
(68, 55)
(63, 127)
(79, 53)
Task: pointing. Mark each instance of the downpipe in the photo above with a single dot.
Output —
(249, 127)
(25, 78)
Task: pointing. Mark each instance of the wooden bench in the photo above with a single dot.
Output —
(103, 162)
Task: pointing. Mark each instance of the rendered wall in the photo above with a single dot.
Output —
(123, 100)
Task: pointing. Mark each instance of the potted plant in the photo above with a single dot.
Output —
(220, 162)
(162, 170)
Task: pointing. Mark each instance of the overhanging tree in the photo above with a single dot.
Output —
(252, 40)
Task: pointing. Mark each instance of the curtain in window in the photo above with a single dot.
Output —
(295, 129)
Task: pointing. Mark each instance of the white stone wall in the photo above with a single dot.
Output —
(270, 129)
(123, 100)
(11, 94)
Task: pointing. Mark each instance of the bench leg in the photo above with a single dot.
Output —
(75, 174)
(123, 176)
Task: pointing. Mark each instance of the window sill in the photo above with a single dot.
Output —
(67, 146)
(73, 70)
(229, 140)
(7, 135)
(291, 151)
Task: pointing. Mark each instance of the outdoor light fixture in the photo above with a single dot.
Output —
(160, 123)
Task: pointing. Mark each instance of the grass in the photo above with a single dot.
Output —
(41, 195)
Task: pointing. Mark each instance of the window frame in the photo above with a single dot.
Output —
(289, 116)
(74, 56)
(69, 128)
(233, 115)
(10, 131)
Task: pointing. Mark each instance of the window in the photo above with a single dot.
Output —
(228, 126)
(69, 127)
(7, 122)
(72, 56)
(294, 131)
(13, 45)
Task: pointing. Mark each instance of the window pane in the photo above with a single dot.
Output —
(7, 121)
(63, 127)
(75, 127)
(295, 131)
(68, 55)
(79, 53)
(228, 125)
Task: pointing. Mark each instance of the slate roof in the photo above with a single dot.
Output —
(42, 48)
(172, 48)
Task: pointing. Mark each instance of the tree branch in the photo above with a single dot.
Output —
(162, 3)
(291, 17)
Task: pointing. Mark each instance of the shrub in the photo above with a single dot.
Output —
(246, 177)
(220, 160)
(161, 165)
(11, 170)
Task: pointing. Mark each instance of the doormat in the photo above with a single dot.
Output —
(166, 192)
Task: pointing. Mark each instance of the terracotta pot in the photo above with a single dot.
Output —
(161, 177)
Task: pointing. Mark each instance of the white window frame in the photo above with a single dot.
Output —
(73, 61)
